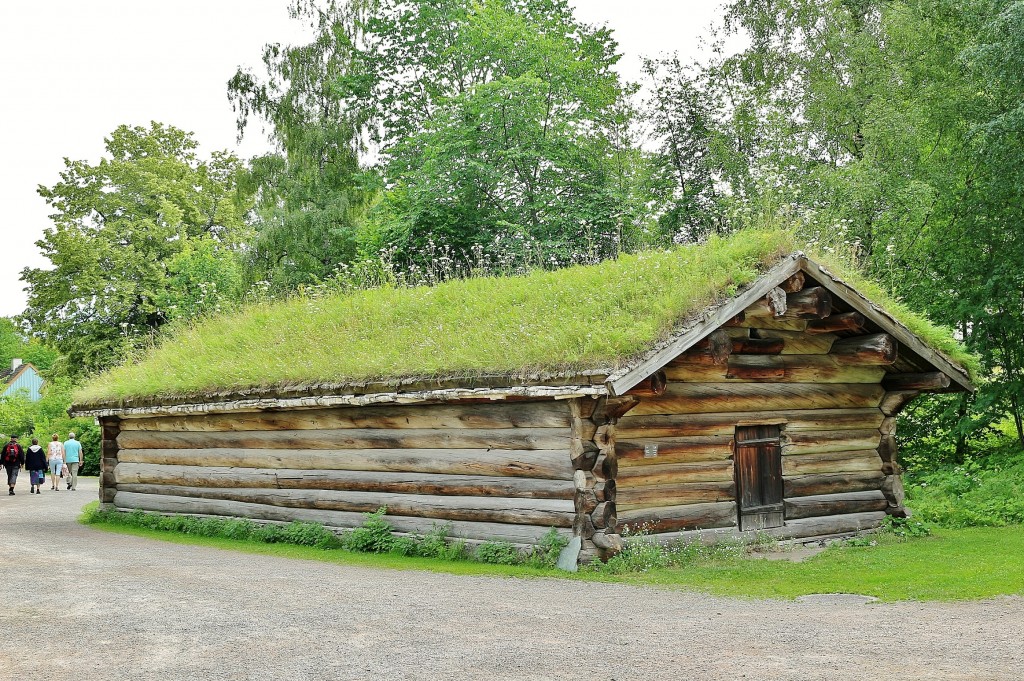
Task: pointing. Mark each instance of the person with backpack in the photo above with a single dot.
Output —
(35, 464)
(72, 458)
(13, 458)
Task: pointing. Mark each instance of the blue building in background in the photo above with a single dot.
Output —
(21, 377)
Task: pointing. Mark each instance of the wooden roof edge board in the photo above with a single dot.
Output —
(625, 379)
(875, 313)
(321, 401)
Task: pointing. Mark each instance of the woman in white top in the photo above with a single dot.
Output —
(55, 459)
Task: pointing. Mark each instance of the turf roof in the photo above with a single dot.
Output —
(570, 320)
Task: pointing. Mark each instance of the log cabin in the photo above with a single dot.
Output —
(772, 410)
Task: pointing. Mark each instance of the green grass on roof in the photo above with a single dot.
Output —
(586, 317)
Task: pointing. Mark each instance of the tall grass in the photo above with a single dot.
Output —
(579, 317)
(583, 317)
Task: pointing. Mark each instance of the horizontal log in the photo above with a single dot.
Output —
(798, 342)
(693, 398)
(631, 498)
(778, 368)
(548, 512)
(879, 349)
(810, 303)
(832, 483)
(549, 465)
(815, 442)
(845, 321)
(517, 534)
(675, 473)
(835, 504)
(353, 438)
(935, 380)
(832, 462)
(804, 528)
(649, 451)
(758, 346)
(676, 518)
(355, 481)
(632, 427)
(831, 525)
(713, 349)
(545, 414)
(771, 323)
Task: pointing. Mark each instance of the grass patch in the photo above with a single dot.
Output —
(482, 325)
(512, 325)
(950, 565)
(375, 535)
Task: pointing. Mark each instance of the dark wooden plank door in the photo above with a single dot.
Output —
(758, 464)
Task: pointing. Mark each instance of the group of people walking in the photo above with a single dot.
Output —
(61, 459)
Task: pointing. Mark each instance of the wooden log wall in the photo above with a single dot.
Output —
(109, 430)
(789, 360)
(596, 467)
(493, 471)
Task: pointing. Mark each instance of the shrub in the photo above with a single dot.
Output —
(497, 553)
(545, 553)
(374, 536)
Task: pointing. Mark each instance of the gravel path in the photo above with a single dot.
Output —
(136, 609)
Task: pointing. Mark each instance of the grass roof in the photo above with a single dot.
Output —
(579, 318)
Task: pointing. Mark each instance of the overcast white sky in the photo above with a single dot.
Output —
(73, 71)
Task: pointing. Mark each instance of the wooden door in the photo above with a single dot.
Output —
(758, 464)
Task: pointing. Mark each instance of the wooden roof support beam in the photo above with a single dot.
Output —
(846, 321)
(714, 349)
(810, 303)
(652, 386)
(935, 380)
(794, 283)
(879, 349)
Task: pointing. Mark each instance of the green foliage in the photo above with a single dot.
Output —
(312, 192)
(973, 494)
(298, 533)
(500, 119)
(133, 237)
(14, 343)
(545, 553)
(497, 553)
(373, 536)
(644, 553)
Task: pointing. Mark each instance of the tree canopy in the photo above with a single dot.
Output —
(147, 235)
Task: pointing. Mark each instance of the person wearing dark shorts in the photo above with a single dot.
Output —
(13, 458)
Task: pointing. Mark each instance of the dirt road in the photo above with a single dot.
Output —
(80, 604)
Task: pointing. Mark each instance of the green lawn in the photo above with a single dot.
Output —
(961, 564)
(951, 565)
